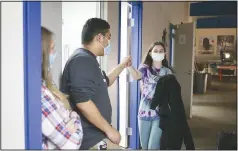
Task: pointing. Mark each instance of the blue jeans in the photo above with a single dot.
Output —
(150, 134)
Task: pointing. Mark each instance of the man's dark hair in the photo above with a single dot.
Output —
(93, 27)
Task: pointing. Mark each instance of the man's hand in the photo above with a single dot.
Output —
(113, 135)
(112, 76)
(127, 61)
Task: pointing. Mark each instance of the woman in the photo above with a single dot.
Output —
(61, 127)
(154, 66)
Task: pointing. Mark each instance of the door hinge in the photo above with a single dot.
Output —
(131, 22)
(129, 131)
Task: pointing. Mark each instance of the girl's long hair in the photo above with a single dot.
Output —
(46, 39)
(149, 61)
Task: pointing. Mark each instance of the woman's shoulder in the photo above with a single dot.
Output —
(168, 70)
(50, 102)
(48, 98)
(46, 95)
(44, 89)
(143, 66)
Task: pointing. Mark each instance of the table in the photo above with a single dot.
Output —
(220, 67)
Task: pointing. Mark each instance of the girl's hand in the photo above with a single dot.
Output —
(71, 127)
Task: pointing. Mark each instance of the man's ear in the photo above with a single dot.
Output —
(99, 37)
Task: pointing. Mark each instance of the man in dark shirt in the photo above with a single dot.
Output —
(86, 84)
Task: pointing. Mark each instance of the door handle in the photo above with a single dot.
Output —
(189, 72)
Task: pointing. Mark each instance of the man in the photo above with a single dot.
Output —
(86, 84)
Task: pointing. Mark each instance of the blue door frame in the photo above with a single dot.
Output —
(32, 74)
(170, 43)
(118, 61)
(136, 51)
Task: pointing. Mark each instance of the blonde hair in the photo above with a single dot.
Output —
(46, 39)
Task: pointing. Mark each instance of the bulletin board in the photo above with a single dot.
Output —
(209, 42)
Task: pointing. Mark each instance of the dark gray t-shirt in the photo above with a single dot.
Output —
(83, 80)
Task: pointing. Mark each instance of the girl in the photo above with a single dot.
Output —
(61, 127)
(154, 66)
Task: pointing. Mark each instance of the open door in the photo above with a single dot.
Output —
(183, 62)
(125, 48)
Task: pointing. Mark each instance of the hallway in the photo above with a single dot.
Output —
(213, 112)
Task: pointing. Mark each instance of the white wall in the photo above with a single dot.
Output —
(156, 17)
(212, 32)
(12, 91)
(51, 18)
(75, 15)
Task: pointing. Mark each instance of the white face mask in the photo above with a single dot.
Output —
(157, 56)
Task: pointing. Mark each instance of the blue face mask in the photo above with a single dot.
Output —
(52, 59)
(107, 49)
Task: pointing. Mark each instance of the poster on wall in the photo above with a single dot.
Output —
(225, 43)
(206, 45)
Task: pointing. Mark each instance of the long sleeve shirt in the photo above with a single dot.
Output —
(55, 121)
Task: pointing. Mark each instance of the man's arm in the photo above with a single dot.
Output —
(91, 112)
(115, 72)
(112, 76)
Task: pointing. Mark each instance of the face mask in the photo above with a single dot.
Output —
(107, 49)
(157, 56)
(52, 59)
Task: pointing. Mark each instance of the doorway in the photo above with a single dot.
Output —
(130, 30)
(74, 16)
(124, 51)
(182, 46)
